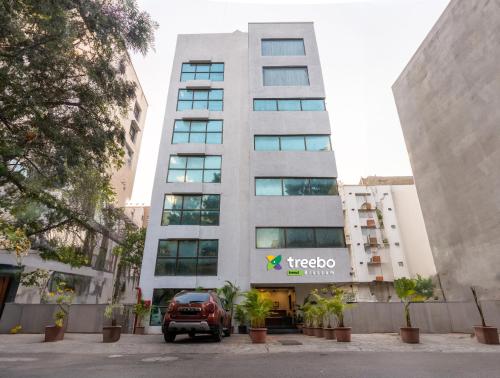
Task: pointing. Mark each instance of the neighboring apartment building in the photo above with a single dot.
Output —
(245, 187)
(386, 235)
(94, 283)
(447, 98)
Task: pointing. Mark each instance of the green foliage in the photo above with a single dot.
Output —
(15, 241)
(112, 310)
(258, 307)
(38, 278)
(142, 309)
(63, 297)
(132, 248)
(16, 329)
(240, 314)
(62, 93)
(229, 293)
(67, 254)
(411, 290)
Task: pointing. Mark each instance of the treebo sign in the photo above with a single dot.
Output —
(317, 262)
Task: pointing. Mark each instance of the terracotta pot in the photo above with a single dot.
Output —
(486, 335)
(318, 331)
(139, 330)
(300, 326)
(258, 335)
(410, 335)
(329, 333)
(242, 329)
(54, 333)
(343, 334)
(305, 330)
(111, 334)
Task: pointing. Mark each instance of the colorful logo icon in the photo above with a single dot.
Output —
(273, 262)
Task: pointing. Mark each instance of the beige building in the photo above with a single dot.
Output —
(386, 235)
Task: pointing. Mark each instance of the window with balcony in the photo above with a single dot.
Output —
(211, 99)
(299, 237)
(285, 76)
(137, 111)
(271, 104)
(191, 209)
(283, 47)
(133, 131)
(292, 143)
(187, 257)
(202, 71)
(194, 131)
(292, 186)
(205, 168)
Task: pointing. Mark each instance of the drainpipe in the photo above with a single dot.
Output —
(139, 298)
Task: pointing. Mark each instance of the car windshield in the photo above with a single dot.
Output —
(192, 298)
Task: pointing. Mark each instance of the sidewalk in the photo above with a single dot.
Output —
(240, 344)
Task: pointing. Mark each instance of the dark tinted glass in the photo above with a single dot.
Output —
(299, 237)
(296, 187)
(191, 298)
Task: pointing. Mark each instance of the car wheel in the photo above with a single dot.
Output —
(218, 334)
(169, 337)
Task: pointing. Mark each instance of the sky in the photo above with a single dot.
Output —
(363, 46)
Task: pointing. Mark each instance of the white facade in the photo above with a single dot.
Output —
(242, 211)
(386, 236)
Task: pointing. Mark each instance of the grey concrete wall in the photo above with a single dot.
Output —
(83, 318)
(447, 98)
(364, 317)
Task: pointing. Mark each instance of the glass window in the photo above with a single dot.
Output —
(194, 168)
(191, 210)
(283, 76)
(167, 248)
(202, 71)
(200, 99)
(270, 238)
(283, 47)
(300, 238)
(268, 187)
(324, 186)
(296, 187)
(265, 105)
(308, 105)
(267, 143)
(318, 143)
(330, 237)
(189, 257)
(284, 104)
(292, 143)
(289, 105)
(186, 131)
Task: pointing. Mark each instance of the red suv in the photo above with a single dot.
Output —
(195, 312)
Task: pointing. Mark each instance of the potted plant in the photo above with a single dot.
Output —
(484, 334)
(411, 290)
(141, 310)
(299, 319)
(339, 305)
(111, 334)
(241, 317)
(229, 293)
(63, 298)
(258, 308)
(318, 313)
(331, 304)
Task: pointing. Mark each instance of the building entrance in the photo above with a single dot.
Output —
(282, 317)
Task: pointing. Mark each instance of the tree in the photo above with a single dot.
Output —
(229, 292)
(411, 290)
(62, 92)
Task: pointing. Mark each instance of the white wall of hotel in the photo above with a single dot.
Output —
(240, 210)
(406, 251)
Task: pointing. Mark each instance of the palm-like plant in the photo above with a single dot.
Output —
(257, 307)
(411, 290)
(229, 292)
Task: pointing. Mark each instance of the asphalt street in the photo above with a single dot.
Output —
(337, 364)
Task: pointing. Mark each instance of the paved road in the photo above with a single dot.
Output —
(337, 364)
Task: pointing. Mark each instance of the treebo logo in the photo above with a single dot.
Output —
(273, 262)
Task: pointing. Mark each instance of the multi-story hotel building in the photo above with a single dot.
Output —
(245, 187)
